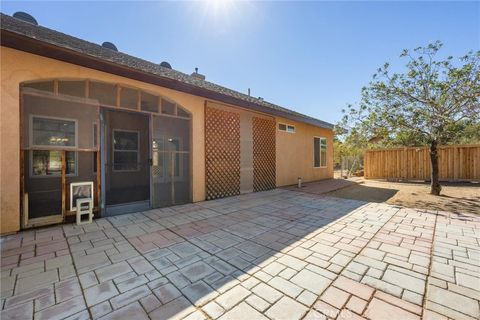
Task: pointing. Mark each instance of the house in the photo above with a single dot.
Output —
(142, 134)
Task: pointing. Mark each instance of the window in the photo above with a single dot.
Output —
(54, 132)
(125, 150)
(49, 163)
(286, 127)
(319, 152)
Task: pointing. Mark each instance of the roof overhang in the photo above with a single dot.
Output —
(31, 45)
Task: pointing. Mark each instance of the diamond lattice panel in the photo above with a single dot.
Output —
(263, 154)
(222, 153)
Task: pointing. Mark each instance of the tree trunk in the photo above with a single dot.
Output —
(435, 186)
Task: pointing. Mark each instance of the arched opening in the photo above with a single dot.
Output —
(127, 149)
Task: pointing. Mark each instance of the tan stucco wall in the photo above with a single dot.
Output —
(294, 151)
(295, 154)
(17, 67)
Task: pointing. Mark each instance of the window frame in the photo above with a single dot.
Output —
(286, 127)
(320, 152)
(95, 146)
(115, 150)
(48, 146)
(26, 86)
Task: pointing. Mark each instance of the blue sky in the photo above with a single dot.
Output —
(313, 57)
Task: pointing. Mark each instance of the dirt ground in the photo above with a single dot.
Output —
(455, 197)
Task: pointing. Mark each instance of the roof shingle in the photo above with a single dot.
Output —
(83, 47)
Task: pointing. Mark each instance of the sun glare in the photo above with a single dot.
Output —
(220, 17)
(219, 7)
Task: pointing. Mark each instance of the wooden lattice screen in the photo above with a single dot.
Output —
(222, 153)
(264, 174)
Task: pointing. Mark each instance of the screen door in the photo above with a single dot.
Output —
(170, 161)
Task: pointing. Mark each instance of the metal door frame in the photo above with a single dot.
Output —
(129, 207)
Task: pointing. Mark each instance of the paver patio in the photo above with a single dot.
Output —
(278, 254)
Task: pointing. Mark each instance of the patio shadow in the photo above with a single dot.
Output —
(365, 193)
(174, 260)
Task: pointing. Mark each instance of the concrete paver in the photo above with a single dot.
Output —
(279, 254)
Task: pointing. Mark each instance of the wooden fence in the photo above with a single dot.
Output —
(456, 162)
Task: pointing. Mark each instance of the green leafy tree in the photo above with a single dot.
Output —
(431, 103)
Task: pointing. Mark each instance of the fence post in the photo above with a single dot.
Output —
(456, 163)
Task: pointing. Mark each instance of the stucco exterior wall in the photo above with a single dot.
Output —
(17, 67)
(295, 154)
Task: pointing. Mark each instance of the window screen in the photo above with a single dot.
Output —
(316, 152)
(128, 98)
(319, 152)
(323, 152)
(168, 107)
(105, 93)
(53, 132)
(72, 88)
(291, 129)
(182, 113)
(42, 86)
(149, 102)
(125, 150)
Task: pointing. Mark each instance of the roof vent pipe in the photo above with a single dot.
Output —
(198, 75)
(25, 17)
(109, 45)
(249, 92)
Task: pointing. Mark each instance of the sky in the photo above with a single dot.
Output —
(313, 57)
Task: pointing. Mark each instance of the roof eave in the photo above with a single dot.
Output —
(38, 47)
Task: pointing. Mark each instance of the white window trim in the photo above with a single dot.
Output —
(286, 127)
(41, 176)
(137, 151)
(50, 147)
(320, 152)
